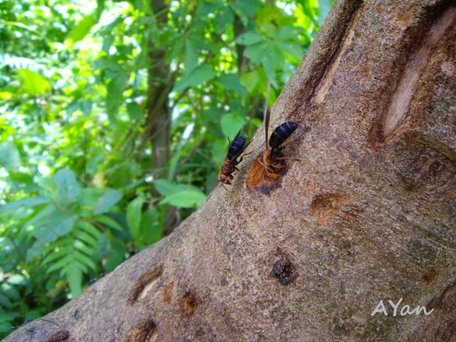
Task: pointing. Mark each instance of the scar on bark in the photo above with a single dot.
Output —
(326, 206)
(428, 276)
(169, 291)
(402, 97)
(283, 269)
(316, 86)
(420, 162)
(59, 336)
(189, 302)
(441, 325)
(343, 45)
(145, 283)
(144, 332)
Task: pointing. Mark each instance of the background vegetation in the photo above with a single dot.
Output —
(114, 118)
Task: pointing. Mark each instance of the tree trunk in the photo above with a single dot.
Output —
(160, 81)
(366, 214)
(159, 84)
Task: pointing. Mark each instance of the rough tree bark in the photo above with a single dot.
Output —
(367, 213)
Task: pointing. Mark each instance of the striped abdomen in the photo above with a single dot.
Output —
(237, 147)
(281, 133)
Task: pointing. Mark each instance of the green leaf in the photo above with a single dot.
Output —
(86, 106)
(31, 315)
(110, 222)
(87, 238)
(151, 228)
(57, 254)
(107, 201)
(74, 278)
(250, 38)
(123, 174)
(166, 187)
(100, 8)
(90, 196)
(225, 19)
(135, 111)
(218, 152)
(33, 83)
(117, 80)
(79, 245)
(17, 279)
(62, 263)
(256, 52)
(185, 199)
(114, 98)
(82, 28)
(250, 81)
(6, 327)
(90, 228)
(231, 124)
(134, 210)
(24, 202)
(191, 56)
(37, 249)
(244, 9)
(9, 156)
(200, 75)
(270, 68)
(5, 301)
(231, 82)
(68, 186)
(84, 260)
(55, 225)
(286, 33)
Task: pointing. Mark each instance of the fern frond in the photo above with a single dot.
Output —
(72, 255)
(17, 62)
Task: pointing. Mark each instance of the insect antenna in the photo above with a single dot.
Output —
(267, 114)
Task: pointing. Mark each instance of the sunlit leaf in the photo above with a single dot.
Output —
(166, 187)
(231, 124)
(185, 199)
(198, 76)
(33, 83)
(5, 95)
(83, 28)
(9, 156)
(74, 277)
(134, 210)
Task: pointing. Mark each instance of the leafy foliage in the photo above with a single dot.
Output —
(79, 191)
